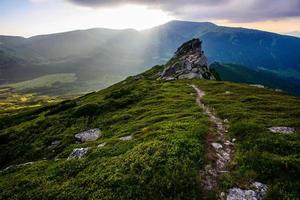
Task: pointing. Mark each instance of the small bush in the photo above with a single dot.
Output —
(243, 129)
(62, 107)
(87, 110)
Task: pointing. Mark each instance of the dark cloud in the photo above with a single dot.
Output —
(234, 10)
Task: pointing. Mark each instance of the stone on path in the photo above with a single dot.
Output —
(89, 135)
(257, 193)
(217, 145)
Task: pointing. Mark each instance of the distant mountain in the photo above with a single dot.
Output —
(100, 57)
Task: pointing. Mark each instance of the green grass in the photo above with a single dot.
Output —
(260, 155)
(161, 162)
(168, 147)
(44, 81)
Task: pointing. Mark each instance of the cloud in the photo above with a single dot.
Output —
(165, 3)
(233, 10)
(37, 1)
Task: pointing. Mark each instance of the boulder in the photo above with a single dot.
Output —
(89, 135)
(78, 153)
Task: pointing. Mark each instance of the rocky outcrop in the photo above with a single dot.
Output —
(189, 62)
(89, 135)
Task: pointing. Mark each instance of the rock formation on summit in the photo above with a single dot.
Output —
(189, 62)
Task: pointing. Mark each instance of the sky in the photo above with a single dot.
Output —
(33, 17)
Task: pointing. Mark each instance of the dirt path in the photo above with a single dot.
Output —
(220, 149)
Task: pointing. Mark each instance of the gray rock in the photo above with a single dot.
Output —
(188, 65)
(90, 135)
(217, 146)
(239, 194)
(282, 129)
(55, 143)
(260, 188)
(195, 70)
(257, 193)
(102, 144)
(78, 153)
(126, 138)
(257, 85)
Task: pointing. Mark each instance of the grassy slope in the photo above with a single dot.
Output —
(241, 74)
(261, 155)
(168, 148)
(160, 162)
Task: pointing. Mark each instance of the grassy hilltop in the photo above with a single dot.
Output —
(168, 148)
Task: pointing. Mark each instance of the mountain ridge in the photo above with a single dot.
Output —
(90, 54)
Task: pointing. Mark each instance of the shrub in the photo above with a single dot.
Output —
(244, 129)
(87, 110)
(61, 107)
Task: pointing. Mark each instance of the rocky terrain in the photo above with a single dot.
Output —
(189, 62)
